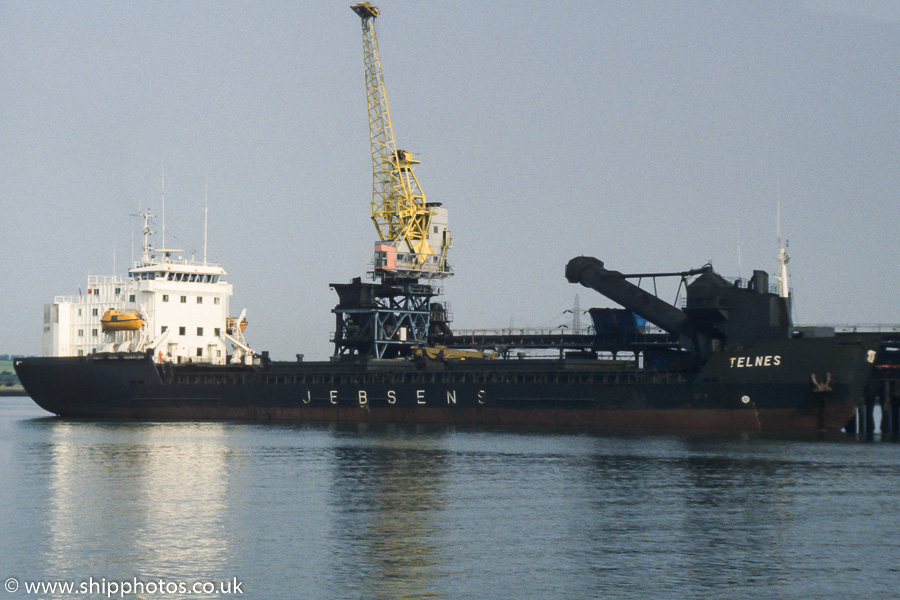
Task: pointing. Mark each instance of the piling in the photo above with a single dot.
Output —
(887, 414)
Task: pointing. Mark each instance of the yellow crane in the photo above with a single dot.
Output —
(413, 233)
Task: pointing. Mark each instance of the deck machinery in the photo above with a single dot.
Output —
(396, 312)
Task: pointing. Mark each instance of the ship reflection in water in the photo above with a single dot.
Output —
(137, 500)
(388, 493)
(329, 511)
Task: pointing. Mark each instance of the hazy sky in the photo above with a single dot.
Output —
(654, 135)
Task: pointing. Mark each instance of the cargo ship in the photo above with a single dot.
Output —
(159, 344)
(730, 360)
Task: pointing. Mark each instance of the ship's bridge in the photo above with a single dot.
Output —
(188, 276)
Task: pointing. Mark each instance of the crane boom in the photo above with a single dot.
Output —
(413, 233)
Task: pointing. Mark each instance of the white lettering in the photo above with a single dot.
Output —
(308, 398)
(392, 397)
(771, 360)
(420, 396)
(332, 396)
(451, 397)
(362, 397)
(482, 395)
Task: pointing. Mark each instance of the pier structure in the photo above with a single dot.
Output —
(883, 391)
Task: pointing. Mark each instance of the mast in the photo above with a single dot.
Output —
(205, 219)
(162, 187)
(145, 258)
(783, 259)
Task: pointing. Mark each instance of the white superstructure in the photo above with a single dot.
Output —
(183, 307)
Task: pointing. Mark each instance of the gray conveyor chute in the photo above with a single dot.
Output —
(589, 272)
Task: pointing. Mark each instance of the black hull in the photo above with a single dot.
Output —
(778, 385)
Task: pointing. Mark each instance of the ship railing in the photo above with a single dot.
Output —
(86, 298)
(516, 331)
(90, 299)
(643, 330)
(866, 328)
(743, 283)
(193, 360)
(155, 260)
(98, 279)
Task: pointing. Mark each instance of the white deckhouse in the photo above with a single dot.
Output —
(176, 308)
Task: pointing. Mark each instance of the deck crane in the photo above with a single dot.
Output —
(397, 315)
(413, 233)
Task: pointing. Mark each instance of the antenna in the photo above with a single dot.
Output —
(205, 218)
(131, 231)
(162, 188)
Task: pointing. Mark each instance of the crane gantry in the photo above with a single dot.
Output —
(413, 233)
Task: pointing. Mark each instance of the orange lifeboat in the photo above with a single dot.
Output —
(230, 324)
(121, 320)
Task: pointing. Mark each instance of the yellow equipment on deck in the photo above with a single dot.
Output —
(120, 320)
(445, 353)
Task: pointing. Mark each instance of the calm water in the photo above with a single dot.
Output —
(404, 512)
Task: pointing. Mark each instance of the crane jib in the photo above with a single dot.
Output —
(406, 222)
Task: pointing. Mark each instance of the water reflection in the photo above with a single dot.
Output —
(737, 509)
(388, 493)
(404, 512)
(136, 500)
